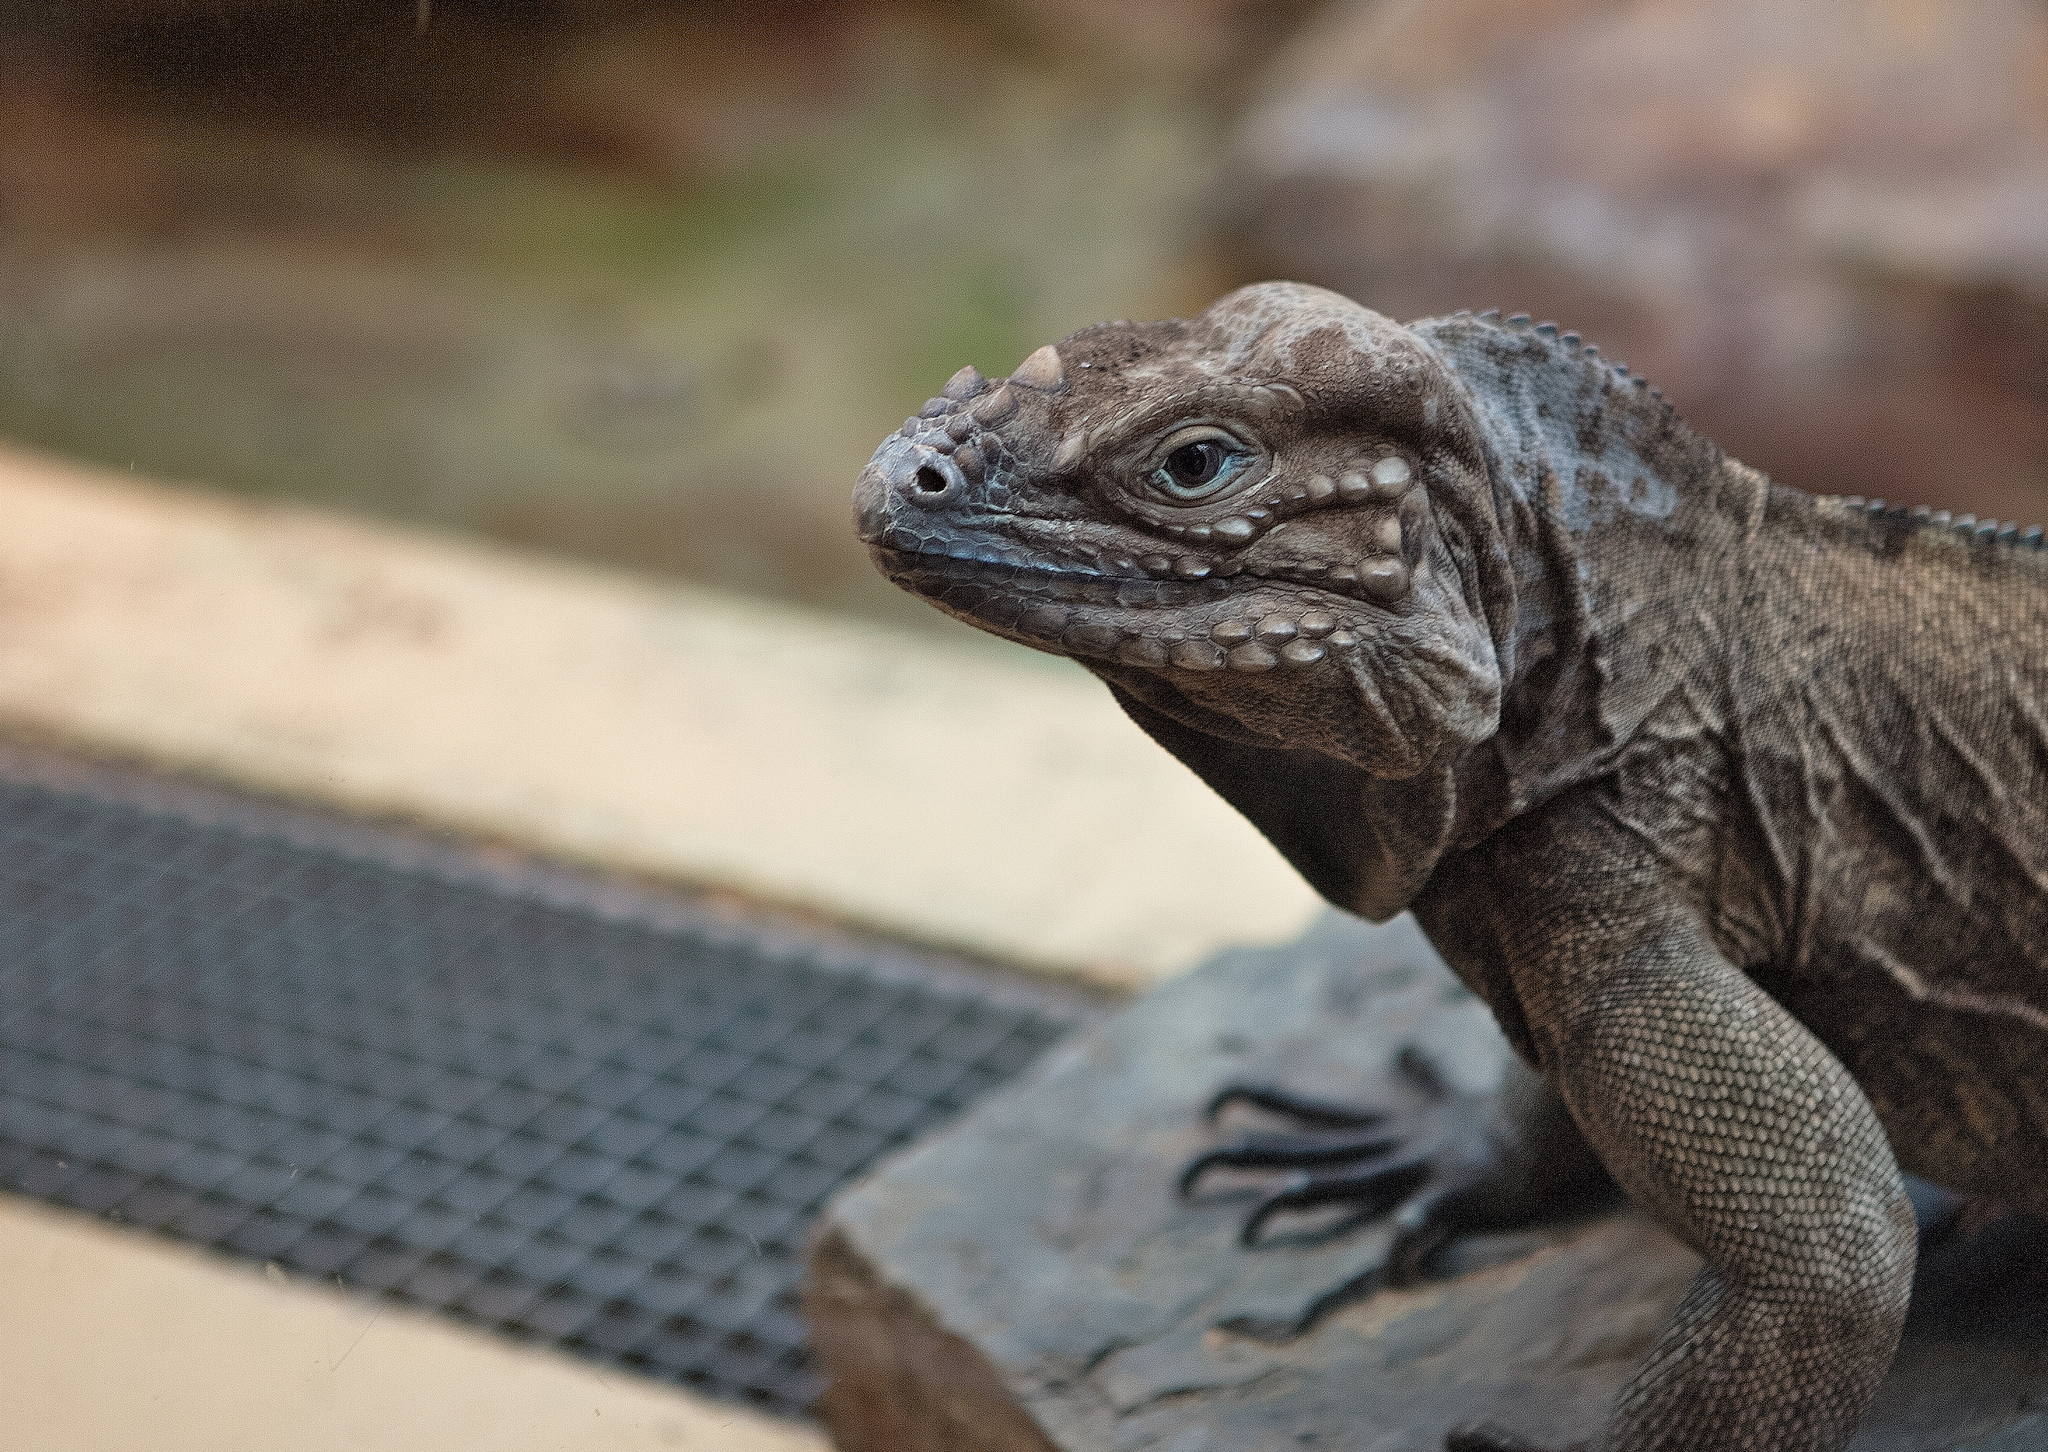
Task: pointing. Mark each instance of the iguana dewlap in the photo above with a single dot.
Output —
(1732, 802)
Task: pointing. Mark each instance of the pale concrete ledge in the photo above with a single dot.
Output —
(114, 1342)
(947, 795)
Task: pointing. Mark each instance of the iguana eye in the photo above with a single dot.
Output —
(1198, 463)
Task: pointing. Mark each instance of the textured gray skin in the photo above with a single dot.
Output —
(1731, 802)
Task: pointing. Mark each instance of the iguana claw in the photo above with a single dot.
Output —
(1374, 1161)
(1335, 1156)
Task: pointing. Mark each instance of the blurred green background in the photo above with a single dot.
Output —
(642, 283)
(645, 282)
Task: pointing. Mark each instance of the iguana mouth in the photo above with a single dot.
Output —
(1037, 606)
(1008, 572)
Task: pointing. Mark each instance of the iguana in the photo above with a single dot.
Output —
(1730, 801)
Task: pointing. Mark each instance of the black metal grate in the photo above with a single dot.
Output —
(606, 1127)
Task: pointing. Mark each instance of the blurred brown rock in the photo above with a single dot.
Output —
(1822, 228)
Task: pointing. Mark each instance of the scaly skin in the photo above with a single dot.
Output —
(1731, 802)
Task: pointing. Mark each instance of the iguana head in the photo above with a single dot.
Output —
(1266, 521)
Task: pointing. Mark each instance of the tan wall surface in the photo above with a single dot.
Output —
(950, 794)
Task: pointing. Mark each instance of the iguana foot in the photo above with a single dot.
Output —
(1451, 1164)
(1369, 1162)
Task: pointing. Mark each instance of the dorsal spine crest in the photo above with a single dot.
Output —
(2033, 537)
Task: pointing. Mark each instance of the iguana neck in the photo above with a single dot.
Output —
(1618, 519)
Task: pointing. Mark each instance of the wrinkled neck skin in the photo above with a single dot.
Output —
(1618, 522)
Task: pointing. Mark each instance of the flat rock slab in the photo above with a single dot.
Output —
(1028, 1281)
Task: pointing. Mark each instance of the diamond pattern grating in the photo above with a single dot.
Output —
(536, 1102)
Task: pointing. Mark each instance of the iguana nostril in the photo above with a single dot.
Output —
(930, 481)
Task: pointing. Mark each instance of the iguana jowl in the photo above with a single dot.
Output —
(1732, 802)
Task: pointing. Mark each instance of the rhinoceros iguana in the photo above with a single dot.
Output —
(1730, 801)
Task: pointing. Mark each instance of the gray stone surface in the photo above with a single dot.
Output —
(1027, 1279)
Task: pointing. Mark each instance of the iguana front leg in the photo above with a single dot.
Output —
(1722, 1116)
